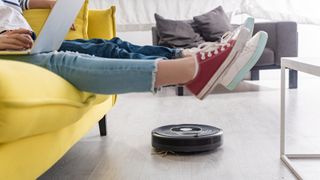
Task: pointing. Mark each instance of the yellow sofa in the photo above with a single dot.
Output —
(41, 115)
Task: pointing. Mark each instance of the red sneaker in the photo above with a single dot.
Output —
(213, 62)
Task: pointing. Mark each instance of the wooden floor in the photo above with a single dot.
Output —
(250, 118)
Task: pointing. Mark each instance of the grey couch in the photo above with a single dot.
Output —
(282, 42)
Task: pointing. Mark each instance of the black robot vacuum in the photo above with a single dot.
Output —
(186, 138)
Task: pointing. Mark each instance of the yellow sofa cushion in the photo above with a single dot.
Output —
(30, 157)
(34, 100)
(102, 23)
(37, 17)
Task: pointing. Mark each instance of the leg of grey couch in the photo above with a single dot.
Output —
(255, 75)
(293, 79)
(103, 126)
(179, 91)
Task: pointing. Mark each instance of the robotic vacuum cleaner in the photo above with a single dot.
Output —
(186, 138)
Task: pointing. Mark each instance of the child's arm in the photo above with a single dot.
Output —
(40, 4)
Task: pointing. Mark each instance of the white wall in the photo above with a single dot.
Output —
(137, 37)
(309, 39)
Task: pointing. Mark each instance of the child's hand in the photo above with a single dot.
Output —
(15, 41)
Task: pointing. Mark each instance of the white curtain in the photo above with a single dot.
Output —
(135, 15)
(301, 11)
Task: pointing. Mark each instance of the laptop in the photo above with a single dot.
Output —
(55, 29)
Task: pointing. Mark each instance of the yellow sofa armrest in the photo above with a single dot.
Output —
(34, 100)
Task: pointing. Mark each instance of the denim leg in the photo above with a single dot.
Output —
(97, 75)
(169, 53)
(117, 48)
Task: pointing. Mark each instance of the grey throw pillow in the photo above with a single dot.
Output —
(177, 34)
(213, 24)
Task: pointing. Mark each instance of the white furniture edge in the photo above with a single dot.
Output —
(293, 63)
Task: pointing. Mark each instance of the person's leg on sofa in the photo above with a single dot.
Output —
(113, 76)
(148, 50)
(200, 74)
(116, 48)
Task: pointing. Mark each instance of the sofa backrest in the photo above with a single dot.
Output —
(89, 23)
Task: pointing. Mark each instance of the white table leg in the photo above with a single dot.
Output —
(313, 67)
(282, 113)
(283, 155)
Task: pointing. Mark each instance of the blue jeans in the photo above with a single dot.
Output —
(116, 66)
(116, 48)
(96, 74)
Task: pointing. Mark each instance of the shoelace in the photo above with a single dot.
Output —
(209, 47)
